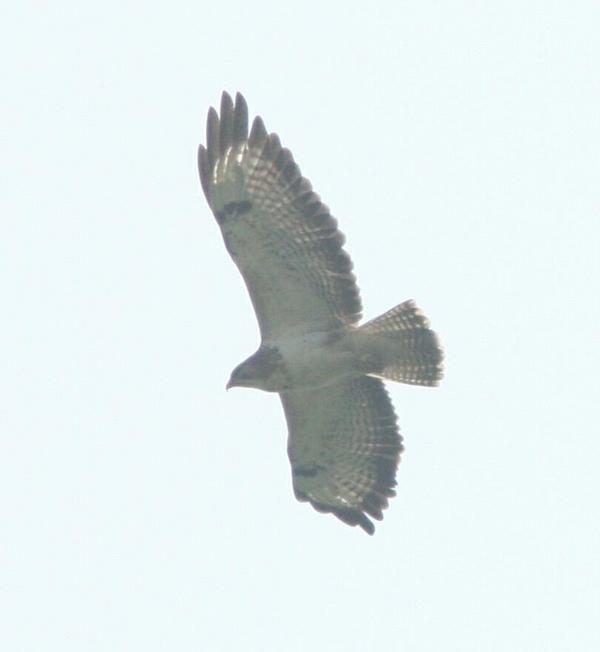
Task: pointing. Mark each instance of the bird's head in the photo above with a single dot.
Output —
(263, 370)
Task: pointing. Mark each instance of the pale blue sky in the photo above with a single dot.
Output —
(144, 508)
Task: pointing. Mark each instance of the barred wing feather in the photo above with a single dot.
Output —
(344, 448)
(279, 233)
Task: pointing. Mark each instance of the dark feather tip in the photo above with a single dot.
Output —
(240, 119)
(203, 168)
(226, 131)
(258, 133)
(212, 136)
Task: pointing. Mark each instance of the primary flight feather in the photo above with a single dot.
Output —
(343, 443)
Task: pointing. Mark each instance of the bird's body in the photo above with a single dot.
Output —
(343, 443)
(316, 359)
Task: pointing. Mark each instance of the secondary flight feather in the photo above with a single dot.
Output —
(343, 440)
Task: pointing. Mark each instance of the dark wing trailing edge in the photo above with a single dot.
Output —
(344, 448)
(279, 233)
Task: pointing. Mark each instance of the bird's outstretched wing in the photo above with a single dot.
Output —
(277, 230)
(344, 448)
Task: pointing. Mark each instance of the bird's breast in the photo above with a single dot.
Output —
(317, 359)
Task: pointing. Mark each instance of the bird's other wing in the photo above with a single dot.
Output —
(279, 233)
(344, 448)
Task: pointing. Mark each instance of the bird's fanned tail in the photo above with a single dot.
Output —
(400, 346)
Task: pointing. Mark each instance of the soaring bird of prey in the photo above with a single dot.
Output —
(343, 441)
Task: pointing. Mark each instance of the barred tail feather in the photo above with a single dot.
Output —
(400, 346)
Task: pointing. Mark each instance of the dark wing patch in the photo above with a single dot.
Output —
(232, 209)
(344, 448)
(279, 233)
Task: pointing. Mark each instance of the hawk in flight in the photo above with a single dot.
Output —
(343, 444)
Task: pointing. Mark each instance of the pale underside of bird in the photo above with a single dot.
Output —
(343, 440)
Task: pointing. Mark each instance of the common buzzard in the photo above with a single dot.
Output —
(343, 444)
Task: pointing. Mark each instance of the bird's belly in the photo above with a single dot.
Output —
(317, 360)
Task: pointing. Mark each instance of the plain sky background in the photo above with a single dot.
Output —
(144, 508)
